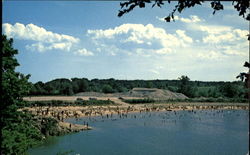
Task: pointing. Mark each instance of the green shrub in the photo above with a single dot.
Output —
(138, 101)
(20, 135)
(107, 89)
(78, 102)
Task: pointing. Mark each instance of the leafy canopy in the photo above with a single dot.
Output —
(17, 132)
(14, 84)
(241, 6)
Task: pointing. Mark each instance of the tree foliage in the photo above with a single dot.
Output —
(19, 130)
(246, 78)
(229, 90)
(185, 86)
(19, 135)
(241, 6)
(14, 84)
(107, 89)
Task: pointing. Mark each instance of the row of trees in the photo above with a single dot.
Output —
(211, 89)
(182, 85)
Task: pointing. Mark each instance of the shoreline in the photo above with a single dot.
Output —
(119, 107)
(63, 112)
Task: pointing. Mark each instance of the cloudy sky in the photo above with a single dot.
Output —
(61, 39)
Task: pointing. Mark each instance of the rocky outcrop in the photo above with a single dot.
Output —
(49, 126)
(65, 127)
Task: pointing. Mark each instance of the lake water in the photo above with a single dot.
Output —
(202, 132)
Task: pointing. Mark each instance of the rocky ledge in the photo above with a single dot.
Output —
(65, 127)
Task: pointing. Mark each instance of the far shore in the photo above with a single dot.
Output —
(63, 112)
(60, 113)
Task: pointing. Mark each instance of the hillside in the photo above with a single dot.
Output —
(153, 93)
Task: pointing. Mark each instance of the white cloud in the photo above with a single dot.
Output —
(142, 52)
(182, 34)
(240, 49)
(45, 40)
(163, 51)
(161, 19)
(191, 19)
(228, 35)
(139, 36)
(241, 34)
(84, 52)
(41, 47)
(38, 46)
(210, 55)
(213, 29)
(225, 40)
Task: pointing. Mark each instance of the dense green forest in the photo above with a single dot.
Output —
(19, 131)
(183, 85)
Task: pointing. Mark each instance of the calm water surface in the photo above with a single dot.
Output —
(202, 132)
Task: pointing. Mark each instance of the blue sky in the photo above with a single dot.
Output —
(59, 39)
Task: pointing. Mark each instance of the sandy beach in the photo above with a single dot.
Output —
(63, 112)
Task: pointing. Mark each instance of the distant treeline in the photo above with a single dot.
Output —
(182, 85)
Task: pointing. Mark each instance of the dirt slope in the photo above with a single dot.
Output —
(153, 93)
